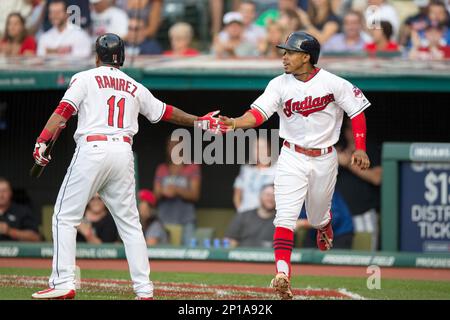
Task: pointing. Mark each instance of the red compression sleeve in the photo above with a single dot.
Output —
(167, 113)
(359, 131)
(65, 110)
(258, 117)
(44, 136)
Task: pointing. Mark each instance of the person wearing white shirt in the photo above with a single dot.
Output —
(253, 33)
(378, 10)
(9, 6)
(252, 178)
(64, 39)
(108, 19)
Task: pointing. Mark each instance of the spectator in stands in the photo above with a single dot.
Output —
(40, 21)
(417, 22)
(438, 15)
(64, 38)
(36, 18)
(341, 7)
(382, 40)
(154, 230)
(216, 8)
(378, 10)
(342, 225)
(17, 222)
(254, 228)
(177, 189)
(252, 32)
(137, 43)
(350, 40)
(276, 34)
(320, 21)
(180, 35)
(108, 18)
(365, 206)
(433, 47)
(290, 20)
(271, 15)
(10, 6)
(252, 177)
(16, 41)
(230, 42)
(150, 11)
(97, 225)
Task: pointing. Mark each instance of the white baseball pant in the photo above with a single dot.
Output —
(106, 167)
(300, 178)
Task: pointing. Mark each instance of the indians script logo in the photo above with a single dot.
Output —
(307, 106)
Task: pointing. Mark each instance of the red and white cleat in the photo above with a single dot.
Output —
(143, 298)
(325, 237)
(282, 286)
(54, 294)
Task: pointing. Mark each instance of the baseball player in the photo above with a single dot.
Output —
(108, 103)
(310, 103)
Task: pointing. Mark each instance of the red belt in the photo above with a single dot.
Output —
(101, 137)
(309, 152)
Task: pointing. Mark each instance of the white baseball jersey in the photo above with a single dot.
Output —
(311, 112)
(109, 102)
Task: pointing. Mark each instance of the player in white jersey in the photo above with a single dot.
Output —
(310, 103)
(108, 103)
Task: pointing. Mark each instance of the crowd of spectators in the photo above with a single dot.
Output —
(238, 28)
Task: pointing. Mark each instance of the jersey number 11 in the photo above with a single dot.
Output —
(112, 105)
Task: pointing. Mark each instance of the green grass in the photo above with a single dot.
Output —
(390, 288)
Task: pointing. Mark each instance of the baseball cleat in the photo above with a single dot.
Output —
(282, 286)
(54, 294)
(325, 237)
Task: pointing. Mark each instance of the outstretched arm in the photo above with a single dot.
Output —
(178, 116)
(206, 122)
(250, 119)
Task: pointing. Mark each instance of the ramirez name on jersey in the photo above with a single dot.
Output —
(108, 82)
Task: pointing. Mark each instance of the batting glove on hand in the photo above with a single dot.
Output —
(38, 154)
(210, 123)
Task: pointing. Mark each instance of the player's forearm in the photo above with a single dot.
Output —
(62, 114)
(252, 118)
(50, 127)
(359, 131)
(53, 122)
(178, 116)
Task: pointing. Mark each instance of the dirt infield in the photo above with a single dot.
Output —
(238, 267)
(172, 290)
